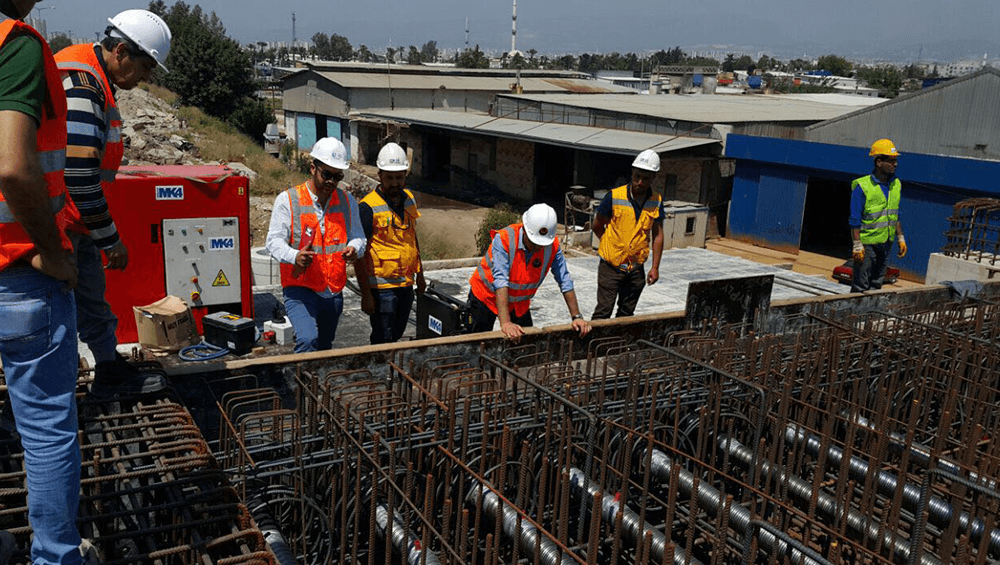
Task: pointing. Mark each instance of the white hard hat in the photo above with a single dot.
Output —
(392, 157)
(330, 151)
(147, 30)
(647, 160)
(540, 224)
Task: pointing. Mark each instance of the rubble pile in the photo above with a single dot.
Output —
(153, 134)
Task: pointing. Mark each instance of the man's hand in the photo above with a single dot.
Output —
(304, 258)
(367, 303)
(59, 266)
(512, 331)
(117, 257)
(349, 254)
(421, 283)
(652, 276)
(582, 326)
(902, 247)
(858, 252)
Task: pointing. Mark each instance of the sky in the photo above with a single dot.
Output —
(576, 26)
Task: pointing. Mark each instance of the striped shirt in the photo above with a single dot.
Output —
(87, 133)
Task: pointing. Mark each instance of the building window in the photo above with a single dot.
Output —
(689, 226)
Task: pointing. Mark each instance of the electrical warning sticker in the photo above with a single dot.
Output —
(220, 279)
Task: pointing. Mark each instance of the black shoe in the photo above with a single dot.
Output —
(120, 377)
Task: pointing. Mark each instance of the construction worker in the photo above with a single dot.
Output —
(624, 220)
(314, 232)
(133, 45)
(874, 218)
(389, 269)
(38, 344)
(512, 270)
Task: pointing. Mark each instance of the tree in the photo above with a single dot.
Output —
(340, 48)
(886, 78)
(743, 63)
(472, 59)
(836, 64)
(729, 65)
(390, 54)
(59, 41)
(208, 69)
(365, 55)
(320, 46)
(413, 56)
(429, 52)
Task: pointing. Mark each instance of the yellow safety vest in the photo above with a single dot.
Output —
(393, 245)
(879, 217)
(625, 243)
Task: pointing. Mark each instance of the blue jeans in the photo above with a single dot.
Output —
(93, 314)
(392, 313)
(314, 317)
(39, 350)
(870, 274)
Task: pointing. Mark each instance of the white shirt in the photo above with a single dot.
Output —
(280, 228)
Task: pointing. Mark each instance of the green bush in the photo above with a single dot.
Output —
(251, 118)
(499, 217)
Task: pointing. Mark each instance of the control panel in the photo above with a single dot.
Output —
(202, 259)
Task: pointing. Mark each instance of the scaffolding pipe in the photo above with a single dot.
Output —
(407, 546)
(827, 504)
(740, 519)
(940, 512)
(634, 529)
(529, 536)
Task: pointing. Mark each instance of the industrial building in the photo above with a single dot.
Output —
(795, 193)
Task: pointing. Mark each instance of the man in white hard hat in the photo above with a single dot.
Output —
(38, 344)
(624, 220)
(314, 232)
(135, 42)
(512, 270)
(391, 266)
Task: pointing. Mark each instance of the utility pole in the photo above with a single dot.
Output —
(293, 39)
(466, 34)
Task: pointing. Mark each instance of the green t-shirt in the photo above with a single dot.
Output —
(22, 76)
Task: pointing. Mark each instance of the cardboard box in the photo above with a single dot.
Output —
(166, 324)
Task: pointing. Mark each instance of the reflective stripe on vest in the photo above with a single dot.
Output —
(328, 269)
(626, 239)
(880, 214)
(297, 209)
(50, 146)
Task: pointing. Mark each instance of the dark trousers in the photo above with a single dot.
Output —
(483, 318)
(392, 313)
(614, 284)
(870, 274)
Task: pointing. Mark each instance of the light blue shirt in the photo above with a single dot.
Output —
(501, 264)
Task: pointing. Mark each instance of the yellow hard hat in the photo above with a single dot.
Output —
(883, 147)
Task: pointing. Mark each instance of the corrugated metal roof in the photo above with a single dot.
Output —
(704, 108)
(580, 137)
(451, 82)
(958, 118)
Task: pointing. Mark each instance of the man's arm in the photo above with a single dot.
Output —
(854, 221)
(87, 134)
(602, 215)
(279, 231)
(509, 329)
(26, 195)
(654, 272)
(579, 324)
(358, 242)
(364, 266)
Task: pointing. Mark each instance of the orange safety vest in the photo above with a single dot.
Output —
(625, 243)
(393, 247)
(525, 275)
(82, 57)
(328, 269)
(50, 145)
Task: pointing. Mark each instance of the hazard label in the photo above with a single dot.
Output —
(220, 279)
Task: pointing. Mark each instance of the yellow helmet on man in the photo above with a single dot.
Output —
(883, 147)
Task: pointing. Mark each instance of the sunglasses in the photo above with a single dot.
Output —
(329, 175)
(892, 161)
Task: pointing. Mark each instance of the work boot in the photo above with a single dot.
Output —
(120, 377)
(7, 546)
(89, 552)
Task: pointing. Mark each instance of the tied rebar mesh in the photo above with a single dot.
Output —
(974, 231)
(856, 439)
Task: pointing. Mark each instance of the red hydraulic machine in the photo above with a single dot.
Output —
(187, 230)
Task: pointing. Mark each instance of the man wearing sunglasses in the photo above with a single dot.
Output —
(314, 232)
(392, 265)
(874, 218)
